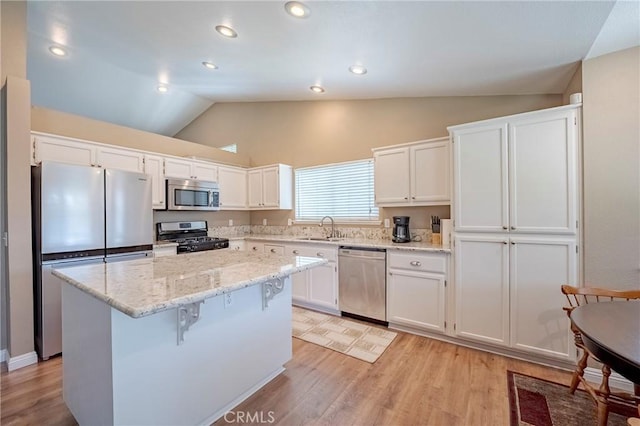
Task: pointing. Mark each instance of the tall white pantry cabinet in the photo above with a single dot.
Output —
(515, 212)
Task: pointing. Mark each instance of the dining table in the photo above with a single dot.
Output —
(611, 331)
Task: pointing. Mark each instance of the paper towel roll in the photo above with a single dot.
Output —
(445, 230)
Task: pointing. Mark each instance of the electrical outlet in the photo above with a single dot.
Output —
(264, 222)
(386, 223)
(228, 300)
(289, 222)
(230, 222)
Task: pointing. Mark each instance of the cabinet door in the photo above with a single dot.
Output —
(153, 166)
(323, 288)
(430, 173)
(271, 187)
(542, 170)
(391, 176)
(482, 288)
(206, 172)
(121, 159)
(233, 188)
(481, 179)
(254, 188)
(416, 299)
(299, 280)
(64, 151)
(179, 169)
(538, 267)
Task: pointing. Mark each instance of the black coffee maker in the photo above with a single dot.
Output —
(401, 233)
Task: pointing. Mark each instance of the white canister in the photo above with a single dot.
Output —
(575, 98)
(445, 230)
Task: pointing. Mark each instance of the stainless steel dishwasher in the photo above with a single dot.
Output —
(362, 282)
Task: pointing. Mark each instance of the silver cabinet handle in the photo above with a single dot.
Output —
(406, 198)
(295, 252)
(504, 242)
(273, 250)
(513, 227)
(416, 263)
(320, 254)
(413, 198)
(505, 227)
(237, 248)
(513, 243)
(254, 248)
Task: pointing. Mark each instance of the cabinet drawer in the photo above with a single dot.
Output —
(418, 262)
(326, 252)
(272, 248)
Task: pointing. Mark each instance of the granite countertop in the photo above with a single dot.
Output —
(143, 287)
(357, 242)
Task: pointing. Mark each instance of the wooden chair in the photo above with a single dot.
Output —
(584, 295)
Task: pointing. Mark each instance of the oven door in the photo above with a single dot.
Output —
(192, 195)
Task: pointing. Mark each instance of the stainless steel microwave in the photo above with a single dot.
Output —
(185, 194)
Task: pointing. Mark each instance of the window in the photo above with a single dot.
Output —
(343, 191)
(230, 148)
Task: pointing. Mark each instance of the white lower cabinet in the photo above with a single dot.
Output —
(416, 290)
(255, 246)
(508, 291)
(317, 287)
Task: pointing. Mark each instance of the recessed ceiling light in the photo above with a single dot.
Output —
(358, 69)
(58, 51)
(210, 65)
(162, 88)
(297, 9)
(226, 31)
(317, 89)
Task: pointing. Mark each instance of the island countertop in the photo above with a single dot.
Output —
(143, 287)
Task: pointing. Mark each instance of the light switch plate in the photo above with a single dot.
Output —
(386, 223)
(230, 222)
(264, 222)
(289, 222)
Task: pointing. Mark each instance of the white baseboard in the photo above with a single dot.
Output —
(22, 361)
(594, 375)
(3, 355)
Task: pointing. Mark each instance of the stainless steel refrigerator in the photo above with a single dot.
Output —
(82, 215)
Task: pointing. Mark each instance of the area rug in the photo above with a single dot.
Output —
(538, 402)
(351, 338)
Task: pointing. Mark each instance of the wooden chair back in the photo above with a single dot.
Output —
(577, 296)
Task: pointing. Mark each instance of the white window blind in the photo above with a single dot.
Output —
(343, 191)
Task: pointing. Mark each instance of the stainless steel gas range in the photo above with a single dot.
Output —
(190, 236)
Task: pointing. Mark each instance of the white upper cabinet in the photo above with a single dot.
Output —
(123, 159)
(190, 169)
(415, 174)
(233, 188)
(391, 176)
(62, 150)
(517, 173)
(154, 167)
(84, 153)
(270, 187)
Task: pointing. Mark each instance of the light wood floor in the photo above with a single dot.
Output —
(417, 381)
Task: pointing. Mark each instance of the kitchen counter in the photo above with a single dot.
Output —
(174, 340)
(144, 287)
(357, 242)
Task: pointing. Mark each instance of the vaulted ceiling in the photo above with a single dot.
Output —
(118, 52)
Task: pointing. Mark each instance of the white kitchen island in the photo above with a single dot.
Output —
(176, 340)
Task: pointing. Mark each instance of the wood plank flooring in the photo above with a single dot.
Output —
(417, 381)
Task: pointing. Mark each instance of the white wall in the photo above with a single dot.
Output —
(611, 96)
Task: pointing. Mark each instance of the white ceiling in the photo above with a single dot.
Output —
(119, 51)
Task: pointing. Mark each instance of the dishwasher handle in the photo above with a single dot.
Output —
(360, 253)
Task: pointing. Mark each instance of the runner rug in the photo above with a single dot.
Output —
(351, 338)
(538, 402)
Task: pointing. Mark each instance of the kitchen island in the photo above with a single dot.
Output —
(174, 340)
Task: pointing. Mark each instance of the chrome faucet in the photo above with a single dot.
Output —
(333, 225)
